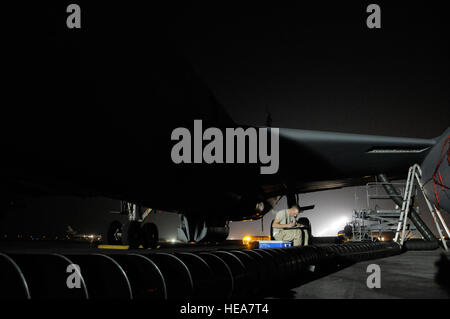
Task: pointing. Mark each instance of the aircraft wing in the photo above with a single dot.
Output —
(316, 160)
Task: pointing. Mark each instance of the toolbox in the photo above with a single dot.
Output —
(274, 244)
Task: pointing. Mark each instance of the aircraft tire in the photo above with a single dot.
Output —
(133, 234)
(150, 235)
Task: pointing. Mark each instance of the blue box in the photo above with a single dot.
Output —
(274, 244)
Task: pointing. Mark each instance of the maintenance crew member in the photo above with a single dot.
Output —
(284, 220)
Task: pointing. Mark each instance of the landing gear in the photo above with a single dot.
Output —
(134, 234)
(145, 234)
(138, 231)
(150, 235)
(193, 229)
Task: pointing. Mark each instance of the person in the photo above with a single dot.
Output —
(284, 220)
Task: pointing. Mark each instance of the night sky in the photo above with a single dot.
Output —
(321, 68)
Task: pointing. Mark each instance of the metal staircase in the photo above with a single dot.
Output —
(414, 175)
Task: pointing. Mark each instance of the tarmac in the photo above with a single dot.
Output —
(410, 275)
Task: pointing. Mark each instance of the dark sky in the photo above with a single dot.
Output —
(320, 67)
